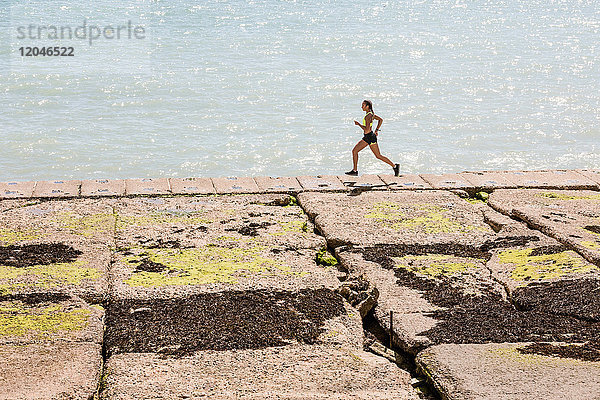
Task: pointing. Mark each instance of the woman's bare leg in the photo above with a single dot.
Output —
(359, 146)
(375, 149)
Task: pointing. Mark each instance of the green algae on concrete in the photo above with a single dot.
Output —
(325, 258)
(162, 217)
(588, 244)
(433, 218)
(87, 225)
(562, 196)
(45, 276)
(198, 266)
(436, 265)
(11, 236)
(18, 320)
(528, 267)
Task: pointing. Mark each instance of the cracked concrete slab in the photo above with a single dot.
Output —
(91, 220)
(591, 174)
(321, 183)
(571, 217)
(447, 181)
(363, 182)
(290, 372)
(501, 372)
(403, 217)
(50, 371)
(234, 184)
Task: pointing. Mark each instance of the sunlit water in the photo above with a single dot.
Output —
(220, 88)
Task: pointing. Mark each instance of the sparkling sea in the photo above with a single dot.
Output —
(272, 87)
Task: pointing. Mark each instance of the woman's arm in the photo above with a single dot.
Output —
(368, 120)
(379, 122)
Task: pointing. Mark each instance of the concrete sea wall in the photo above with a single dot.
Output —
(477, 285)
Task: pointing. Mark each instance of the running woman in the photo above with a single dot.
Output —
(370, 139)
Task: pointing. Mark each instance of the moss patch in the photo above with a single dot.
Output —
(19, 319)
(325, 258)
(430, 218)
(11, 236)
(198, 266)
(562, 196)
(45, 276)
(86, 225)
(530, 266)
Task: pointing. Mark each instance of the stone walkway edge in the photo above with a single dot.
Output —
(470, 182)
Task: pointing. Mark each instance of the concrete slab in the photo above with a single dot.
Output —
(363, 182)
(192, 186)
(321, 183)
(290, 372)
(91, 220)
(102, 187)
(269, 184)
(234, 184)
(489, 180)
(197, 222)
(57, 189)
(147, 186)
(6, 205)
(70, 267)
(407, 282)
(501, 372)
(405, 182)
(50, 371)
(447, 181)
(591, 174)
(16, 190)
(430, 218)
(571, 217)
(553, 179)
(49, 318)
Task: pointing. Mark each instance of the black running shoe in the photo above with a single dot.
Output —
(352, 173)
(396, 169)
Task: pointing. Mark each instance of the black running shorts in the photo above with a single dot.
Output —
(370, 138)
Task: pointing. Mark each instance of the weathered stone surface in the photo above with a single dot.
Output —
(191, 186)
(283, 184)
(489, 180)
(321, 183)
(50, 371)
(426, 218)
(235, 185)
(147, 186)
(102, 187)
(72, 267)
(91, 220)
(404, 182)
(447, 181)
(363, 182)
(200, 221)
(571, 217)
(15, 190)
(554, 179)
(57, 188)
(501, 372)
(9, 204)
(49, 318)
(290, 372)
(410, 309)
